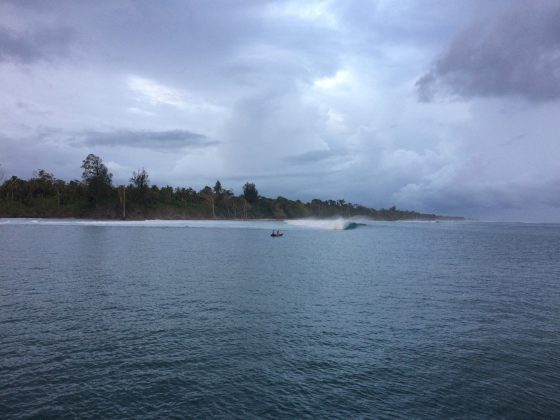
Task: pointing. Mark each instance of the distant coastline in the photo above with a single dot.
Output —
(255, 212)
(95, 197)
(196, 208)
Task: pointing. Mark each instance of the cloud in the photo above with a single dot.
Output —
(457, 196)
(156, 93)
(339, 79)
(320, 156)
(313, 100)
(315, 12)
(30, 46)
(513, 53)
(160, 140)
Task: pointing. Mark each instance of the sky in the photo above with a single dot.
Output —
(450, 107)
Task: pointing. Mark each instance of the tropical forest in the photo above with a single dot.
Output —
(95, 197)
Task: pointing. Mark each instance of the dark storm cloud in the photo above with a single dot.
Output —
(40, 44)
(160, 140)
(514, 53)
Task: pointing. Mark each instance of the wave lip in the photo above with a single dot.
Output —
(327, 224)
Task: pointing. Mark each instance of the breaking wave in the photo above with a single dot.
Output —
(329, 224)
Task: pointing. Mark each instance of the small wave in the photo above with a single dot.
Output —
(354, 225)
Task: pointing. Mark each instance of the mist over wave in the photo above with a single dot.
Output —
(328, 224)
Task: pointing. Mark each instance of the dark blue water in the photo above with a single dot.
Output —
(403, 319)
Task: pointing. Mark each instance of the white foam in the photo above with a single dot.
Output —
(328, 224)
(224, 224)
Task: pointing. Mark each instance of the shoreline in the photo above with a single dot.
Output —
(218, 219)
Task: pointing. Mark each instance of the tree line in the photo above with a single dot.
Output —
(95, 196)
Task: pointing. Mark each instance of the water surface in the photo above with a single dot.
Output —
(217, 319)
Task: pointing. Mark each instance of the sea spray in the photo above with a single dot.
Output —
(328, 224)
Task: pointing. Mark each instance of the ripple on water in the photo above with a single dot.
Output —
(406, 320)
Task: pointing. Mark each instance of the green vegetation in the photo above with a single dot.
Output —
(95, 197)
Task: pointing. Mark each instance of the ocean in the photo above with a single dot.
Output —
(216, 319)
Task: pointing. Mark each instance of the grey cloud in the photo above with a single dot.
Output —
(40, 44)
(161, 140)
(482, 199)
(289, 174)
(513, 53)
(514, 139)
(319, 156)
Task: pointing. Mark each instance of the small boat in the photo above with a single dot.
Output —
(276, 234)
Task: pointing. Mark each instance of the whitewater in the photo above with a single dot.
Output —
(322, 224)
